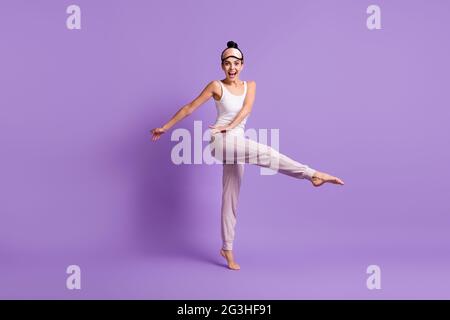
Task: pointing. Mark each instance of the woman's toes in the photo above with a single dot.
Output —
(320, 178)
(336, 180)
(234, 266)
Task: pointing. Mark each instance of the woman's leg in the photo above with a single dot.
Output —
(238, 149)
(231, 183)
(233, 151)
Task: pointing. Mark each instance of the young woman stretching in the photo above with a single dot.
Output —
(234, 100)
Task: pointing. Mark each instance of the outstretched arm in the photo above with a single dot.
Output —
(185, 111)
(245, 110)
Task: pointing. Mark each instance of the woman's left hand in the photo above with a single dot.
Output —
(216, 129)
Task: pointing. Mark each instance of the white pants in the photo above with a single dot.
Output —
(233, 150)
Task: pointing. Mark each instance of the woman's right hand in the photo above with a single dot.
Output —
(157, 132)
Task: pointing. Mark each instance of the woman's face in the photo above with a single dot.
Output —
(232, 66)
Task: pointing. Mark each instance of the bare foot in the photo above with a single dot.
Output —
(228, 254)
(320, 178)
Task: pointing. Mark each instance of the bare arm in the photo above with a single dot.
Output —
(185, 110)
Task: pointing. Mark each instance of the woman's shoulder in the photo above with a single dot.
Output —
(215, 88)
(251, 83)
(214, 84)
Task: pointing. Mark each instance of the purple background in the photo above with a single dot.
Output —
(82, 183)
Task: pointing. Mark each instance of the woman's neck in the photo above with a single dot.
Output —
(233, 83)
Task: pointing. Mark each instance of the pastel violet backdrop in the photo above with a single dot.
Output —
(82, 183)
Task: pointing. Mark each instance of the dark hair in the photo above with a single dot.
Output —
(232, 44)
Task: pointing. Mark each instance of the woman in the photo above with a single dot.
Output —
(234, 100)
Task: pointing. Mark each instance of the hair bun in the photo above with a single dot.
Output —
(232, 44)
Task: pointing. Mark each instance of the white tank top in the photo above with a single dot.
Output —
(229, 106)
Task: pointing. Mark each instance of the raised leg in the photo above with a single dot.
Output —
(238, 149)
